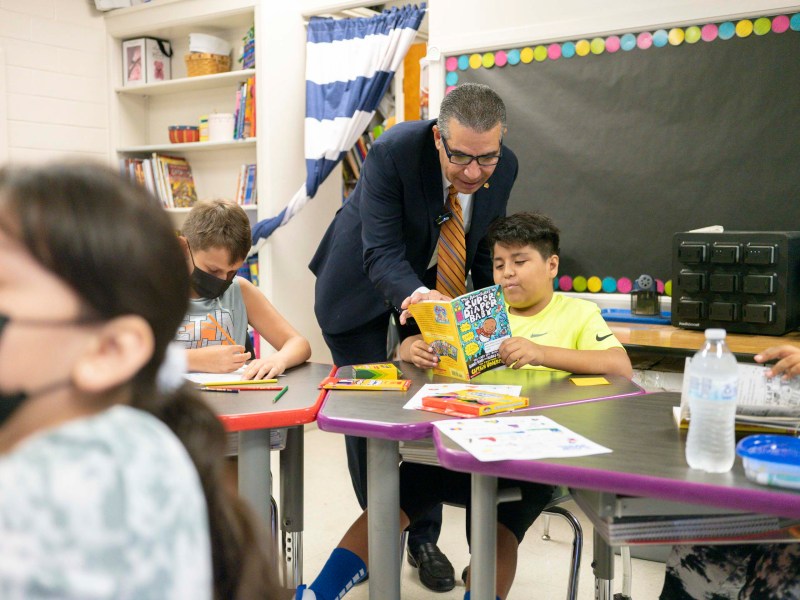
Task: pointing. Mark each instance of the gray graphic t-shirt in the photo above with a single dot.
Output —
(104, 507)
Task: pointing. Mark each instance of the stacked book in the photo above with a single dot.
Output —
(167, 178)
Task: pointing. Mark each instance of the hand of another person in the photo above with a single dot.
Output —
(788, 363)
(222, 358)
(268, 367)
(517, 352)
(423, 356)
(419, 297)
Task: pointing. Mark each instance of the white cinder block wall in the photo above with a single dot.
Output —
(56, 87)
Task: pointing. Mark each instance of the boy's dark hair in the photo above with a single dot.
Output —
(116, 248)
(218, 224)
(525, 229)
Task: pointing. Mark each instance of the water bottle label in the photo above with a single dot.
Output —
(707, 388)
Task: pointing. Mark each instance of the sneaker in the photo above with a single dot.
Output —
(303, 593)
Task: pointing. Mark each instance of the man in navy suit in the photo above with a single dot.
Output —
(380, 252)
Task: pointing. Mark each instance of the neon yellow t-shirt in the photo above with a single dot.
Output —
(565, 322)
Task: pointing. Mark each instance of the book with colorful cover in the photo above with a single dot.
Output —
(466, 332)
(472, 403)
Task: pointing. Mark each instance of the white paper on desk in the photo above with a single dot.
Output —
(517, 438)
(204, 378)
(430, 389)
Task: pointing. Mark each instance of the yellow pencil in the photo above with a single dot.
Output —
(218, 326)
(243, 382)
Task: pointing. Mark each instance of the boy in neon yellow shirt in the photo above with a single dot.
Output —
(551, 331)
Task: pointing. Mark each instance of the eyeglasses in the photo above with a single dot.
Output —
(462, 160)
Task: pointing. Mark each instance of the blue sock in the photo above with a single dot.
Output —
(467, 595)
(342, 571)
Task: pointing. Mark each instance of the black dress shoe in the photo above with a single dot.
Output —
(435, 571)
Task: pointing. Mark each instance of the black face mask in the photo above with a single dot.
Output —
(206, 284)
(10, 402)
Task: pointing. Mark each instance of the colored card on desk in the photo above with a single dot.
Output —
(517, 438)
(373, 385)
(584, 381)
(438, 389)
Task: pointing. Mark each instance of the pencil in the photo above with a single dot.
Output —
(218, 326)
(279, 394)
(219, 389)
(242, 382)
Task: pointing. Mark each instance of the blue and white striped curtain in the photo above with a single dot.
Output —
(349, 65)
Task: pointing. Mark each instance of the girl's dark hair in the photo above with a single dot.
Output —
(116, 248)
(525, 229)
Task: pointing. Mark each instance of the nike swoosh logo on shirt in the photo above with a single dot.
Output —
(539, 334)
(600, 339)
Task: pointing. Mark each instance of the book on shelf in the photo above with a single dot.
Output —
(471, 402)
(466, 332)
(244, 116)
(246, 186)
(763, 403)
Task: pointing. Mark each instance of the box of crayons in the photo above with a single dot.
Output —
(376, 371)
(373, 385)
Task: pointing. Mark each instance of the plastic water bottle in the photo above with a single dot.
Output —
(712, 390)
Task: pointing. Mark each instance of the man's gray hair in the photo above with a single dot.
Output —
(475, 106)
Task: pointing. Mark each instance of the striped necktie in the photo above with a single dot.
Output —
(452, 258)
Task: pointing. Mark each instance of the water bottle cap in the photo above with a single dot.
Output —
(715, 334)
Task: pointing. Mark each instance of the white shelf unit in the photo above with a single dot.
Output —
(141, 115)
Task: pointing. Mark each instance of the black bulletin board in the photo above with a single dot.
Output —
(624, 149)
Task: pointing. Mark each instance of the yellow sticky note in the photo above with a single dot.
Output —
(589, 380)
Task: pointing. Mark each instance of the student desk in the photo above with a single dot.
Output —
(665, 339)
(647, 460)
(253, 415)
(381, 418)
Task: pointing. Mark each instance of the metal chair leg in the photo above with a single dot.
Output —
(546, 524)
(577, 548)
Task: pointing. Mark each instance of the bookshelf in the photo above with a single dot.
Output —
(141, 115)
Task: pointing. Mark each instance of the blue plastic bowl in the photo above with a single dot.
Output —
(771, 459)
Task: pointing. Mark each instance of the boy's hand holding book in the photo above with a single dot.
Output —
(422, 355)
(517, 352)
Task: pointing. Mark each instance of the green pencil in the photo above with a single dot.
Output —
(279, 394)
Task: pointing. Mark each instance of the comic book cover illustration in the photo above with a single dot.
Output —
(466, 332)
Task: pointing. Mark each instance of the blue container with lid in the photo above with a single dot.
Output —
(771, 459)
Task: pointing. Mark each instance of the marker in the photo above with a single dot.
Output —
(219, 389)
(279, 394)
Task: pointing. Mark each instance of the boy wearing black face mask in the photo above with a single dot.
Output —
(216, 240)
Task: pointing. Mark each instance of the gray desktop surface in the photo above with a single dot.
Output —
(647, 460)
(381, 414)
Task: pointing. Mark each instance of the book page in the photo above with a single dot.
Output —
(517, 438)
(437, 323)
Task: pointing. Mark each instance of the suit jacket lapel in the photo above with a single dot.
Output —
(432, 187)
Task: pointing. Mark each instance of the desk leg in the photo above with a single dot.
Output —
(291, 461)
(255, 478)
(603, 566)
(383, 492)
(483, 544)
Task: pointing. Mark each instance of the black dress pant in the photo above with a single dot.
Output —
(367, 344)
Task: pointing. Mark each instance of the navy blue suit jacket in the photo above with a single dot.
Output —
(376, 251)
